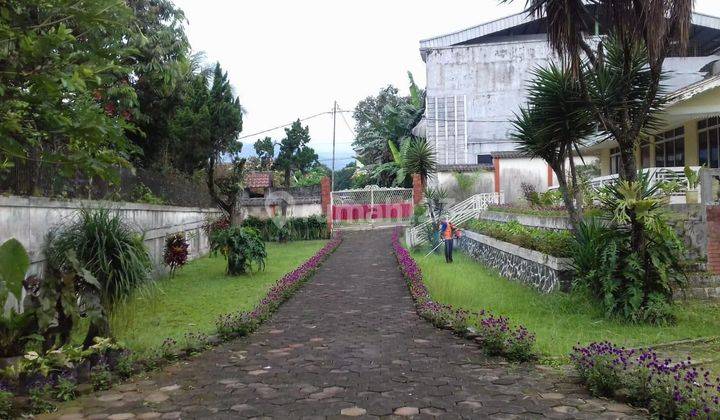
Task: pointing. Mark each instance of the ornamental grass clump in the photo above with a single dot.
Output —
(104, 245)
(493, 333)
(668, 389)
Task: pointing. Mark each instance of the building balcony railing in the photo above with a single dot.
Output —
(676, 174)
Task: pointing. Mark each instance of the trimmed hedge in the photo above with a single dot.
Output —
(551, 242)
(294, 229)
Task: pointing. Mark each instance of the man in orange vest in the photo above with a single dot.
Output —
(447, 233)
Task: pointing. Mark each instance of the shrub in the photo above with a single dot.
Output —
(104, 245)
(41, 400)
(549, 198)
(242, 247)
(293, 229)
(65, 389)
(556, 243)
(194, 343)
(6, 405)
(143, 194)
(235, 324)
(176, 251)
(125, 365)
(100, 377)
(634, 285)
(216, 225)
(667, 388)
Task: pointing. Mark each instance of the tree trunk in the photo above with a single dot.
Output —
(559, 170)
(577, 191)
(226, 207)
(287, 178)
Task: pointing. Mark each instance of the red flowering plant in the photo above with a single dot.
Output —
(176, 251)
(493, 333)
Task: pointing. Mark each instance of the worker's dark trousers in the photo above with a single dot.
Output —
(448, 250)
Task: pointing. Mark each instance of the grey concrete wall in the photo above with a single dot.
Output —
(29, 219)
(493, 77)
(263, 208)
(690, 222)
(484, 183)
(540, 271)
(545, 222)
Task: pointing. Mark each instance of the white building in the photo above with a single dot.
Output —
(476, 82)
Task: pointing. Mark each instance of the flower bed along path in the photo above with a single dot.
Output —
(348, 343)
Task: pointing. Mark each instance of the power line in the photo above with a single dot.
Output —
(290, 123)
(348, 124)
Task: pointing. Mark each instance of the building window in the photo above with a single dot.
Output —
(645, 154)
(670, 148)
(708, 136)
(484, 159)
(615, 160)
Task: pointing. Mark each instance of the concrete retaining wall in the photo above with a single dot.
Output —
(29, 219)
(541, 271)
(265, 208)
(545, 222)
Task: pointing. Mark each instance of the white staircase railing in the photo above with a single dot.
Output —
(458, 214)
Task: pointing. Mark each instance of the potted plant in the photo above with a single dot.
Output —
(693, 180)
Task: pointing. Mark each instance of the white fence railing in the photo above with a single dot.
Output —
(675, 173)
(458, 214)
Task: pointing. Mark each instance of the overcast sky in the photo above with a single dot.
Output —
(290, 59)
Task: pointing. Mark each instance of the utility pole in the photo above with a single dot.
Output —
(332, 175)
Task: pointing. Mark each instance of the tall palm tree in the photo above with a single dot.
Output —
(651, 26)
(553, 127)
(420, 159)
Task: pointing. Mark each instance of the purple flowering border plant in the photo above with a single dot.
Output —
(243, 323)
(494, 334)
(668, 389)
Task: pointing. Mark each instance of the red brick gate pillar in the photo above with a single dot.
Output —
(417, 189)
(325, 200)
(713, 238)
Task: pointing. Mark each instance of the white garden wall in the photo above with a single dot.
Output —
(29, 219)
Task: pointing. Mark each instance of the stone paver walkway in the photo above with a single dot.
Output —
(349, 343)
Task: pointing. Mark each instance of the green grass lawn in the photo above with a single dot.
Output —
(559, 320)
(199, 292)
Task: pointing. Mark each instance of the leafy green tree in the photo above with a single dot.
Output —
(160, 68)
(370, 146)
(313, 176)
(65, 100)
(265, 150)
(382, 125)
(207, 127)
(295, 155)
(343, 177)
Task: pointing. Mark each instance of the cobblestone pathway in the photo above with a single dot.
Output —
(349, 343)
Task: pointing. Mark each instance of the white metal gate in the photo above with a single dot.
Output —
(371, 206)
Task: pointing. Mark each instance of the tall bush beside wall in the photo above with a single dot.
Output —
(106, 246)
